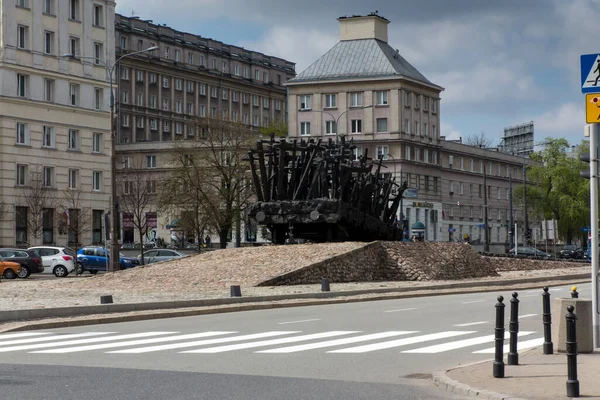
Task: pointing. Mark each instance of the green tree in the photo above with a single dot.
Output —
(278, 128)
(556, 191)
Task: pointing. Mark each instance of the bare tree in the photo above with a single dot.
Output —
(40, 201)
(136, 199)
(209, 176)
(478, 140)
(74, 219)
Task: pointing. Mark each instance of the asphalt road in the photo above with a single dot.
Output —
(373, 350)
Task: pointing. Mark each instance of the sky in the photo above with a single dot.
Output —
(501, 63)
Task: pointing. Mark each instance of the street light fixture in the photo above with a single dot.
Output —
(339, 116)
(114, 246)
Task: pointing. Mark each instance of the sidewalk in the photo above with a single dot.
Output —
(538, 376)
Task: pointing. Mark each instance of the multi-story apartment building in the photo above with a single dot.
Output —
(163, 95)
(54, 120)
(366, 91)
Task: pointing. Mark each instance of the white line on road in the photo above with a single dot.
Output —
(296, 322)
(204, 342)
(82, 341)
(401, 342)
(402, 309)
(56, 337)
(336, 342)
(472, 323)
(221, 349)
(556, 290)
(459, 344)
(23, 334)
(527, 316)
(520, 346)
(135, 342)
(471, 302)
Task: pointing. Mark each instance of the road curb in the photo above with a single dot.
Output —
(157, 310)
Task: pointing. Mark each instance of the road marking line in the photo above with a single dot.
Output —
(471, 302)
(472, 323)
(296, 322)
(527, 316)
(23, 334)
(51, 338)
(459, 344)
(520, 346)
(221, 349)
(556, 290)
(336, 342)
(81, 341)
(203, 342)
(401, 342)
(135, 342)
(402, 309)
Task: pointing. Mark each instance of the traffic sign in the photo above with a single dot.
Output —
(592, 108)
(585, 229)
(590, 73)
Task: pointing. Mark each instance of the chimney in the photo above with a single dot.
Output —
(370, 26)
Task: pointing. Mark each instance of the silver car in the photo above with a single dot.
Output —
(156, 255)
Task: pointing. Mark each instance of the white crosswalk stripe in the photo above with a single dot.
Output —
(81, 341)
(204, 342)
(23, 334)
(264, 343)
(134, 342)
(51, 338)
(402, 342)
(459, 344)
(337, 342)
(520, 346)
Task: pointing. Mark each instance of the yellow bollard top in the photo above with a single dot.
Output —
(574, 289)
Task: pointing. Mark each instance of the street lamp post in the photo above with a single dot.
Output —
(339, 116)
(114, 246)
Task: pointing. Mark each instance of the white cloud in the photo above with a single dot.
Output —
(449, 132)
(560, 121)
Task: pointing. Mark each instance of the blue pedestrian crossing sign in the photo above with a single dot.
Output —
(590, 73)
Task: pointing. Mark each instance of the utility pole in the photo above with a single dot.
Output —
(510, 206)
(594, 228)
(486, 246)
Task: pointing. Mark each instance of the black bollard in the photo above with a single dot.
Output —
(499, 339)
(513, 329)
(574, 293)
(235, 291)
(324, 285)
(547, 321)
(572, 382)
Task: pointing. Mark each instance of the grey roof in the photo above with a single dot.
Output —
(360, 58)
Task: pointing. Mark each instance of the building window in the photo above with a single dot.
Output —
(96, 180)
(21, 225)
(407, 152)
(330, 127)
(417, 98)
(245, 98)
(202, 89)
(178, 128)
(416, 131)
(124, 96)
(356, 99)
(73, 178)
(125, 121)
(178, 107)
(48, 137)
(202, 111)
(48, 176)
(153, 124)
(425, 103)
(165, 104)
(382, 152)
(190, 108)
(48, 90)
(151, 186)
(305, 102)
(139, 76)
(74, 45)
(358, 152)
(381, 98)
(177, 55)
(235, 116)
(356, 126)
(22, 37)
(98, 95)
(125, 73)
(190, 58)
(74, 9)
(236, 69)
(213, 112)
(425, 129)
(265, 102)
(246, 72)
(434, 106)
(48, 42)
(470, 190)
(22, 85)
(330, 101)
(224, 94)
(22, 134)
(151, 161)
(406, 125)
(152, 78)
(235, 96)
(246, 118)
(255, 101)
(213, 92)
(178, 84)
(305, 128)
(139, 99)
(256, 75)
(152, 101)
(166, 126)
(21, 179)
(190, 87)
(74, 94)
(98, 15)
(165, 81)
(73, 139)
(255, 121)
(406, 99)
(382, 125)
(49, 7)
(139, 122)
(277, 105)
(265, 77)
(97, 143)
(98, 53)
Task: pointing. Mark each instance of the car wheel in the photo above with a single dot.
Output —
(79, 270)
(60, 271)
(24, 273)
(9, 274)
(93, 271)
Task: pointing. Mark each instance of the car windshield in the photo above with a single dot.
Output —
(69, 251)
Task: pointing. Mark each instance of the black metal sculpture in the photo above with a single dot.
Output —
(320, 192)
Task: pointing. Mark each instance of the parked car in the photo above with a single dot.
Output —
(96, 258)
(56, 260)
(156, 255)
(9, 269)
(31, 262)
(528, 251)
(571, 251)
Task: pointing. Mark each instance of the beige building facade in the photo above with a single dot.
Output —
(364, 90)
(54, 116)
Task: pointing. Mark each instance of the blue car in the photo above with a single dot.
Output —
(94, 259)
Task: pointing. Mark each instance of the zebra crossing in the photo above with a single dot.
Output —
(269, 342)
